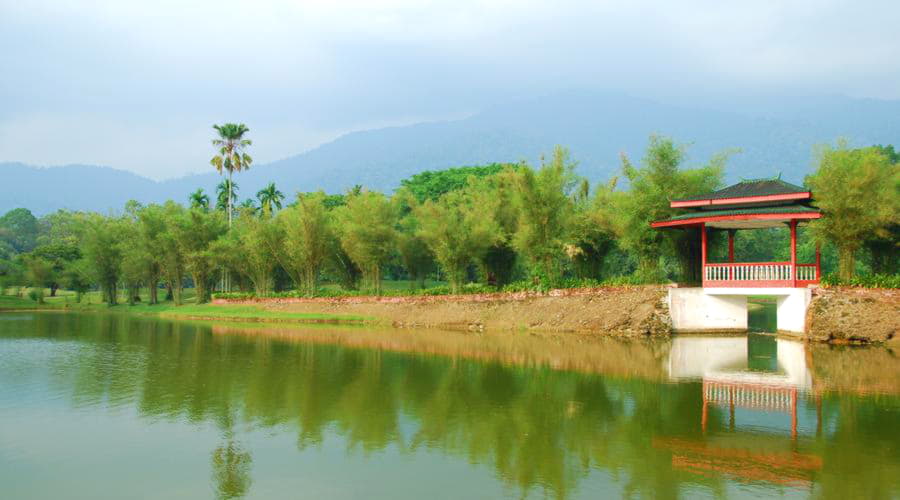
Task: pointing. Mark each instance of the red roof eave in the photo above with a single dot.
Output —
(745, 199)
(700, 219)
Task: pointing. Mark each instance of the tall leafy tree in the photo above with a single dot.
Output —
(456, 231)
(545, 213)
(103, 252)
(20, 229)
(59, 255)
(247, 250)
(652, 185)
(232, 154)
(303, 240)
(195, 234)
(270, 199)
(414, 253)
(858, 191)
(368, 233)
(171, 257)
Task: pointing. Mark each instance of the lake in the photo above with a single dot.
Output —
(118, 406)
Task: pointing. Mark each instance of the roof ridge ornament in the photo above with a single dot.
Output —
(761, 179)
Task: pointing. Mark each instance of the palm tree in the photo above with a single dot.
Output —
(232, 153)
(222, 198)
(249, 206)
(199, 199)
(269, 197)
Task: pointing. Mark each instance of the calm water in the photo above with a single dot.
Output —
(110, 406)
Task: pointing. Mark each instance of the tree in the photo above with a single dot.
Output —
(367, 233)
(226, 195)
(38, 272)
(303, 240)
(247, 250)
(591, 240)
(270, 198)
(151, 229)
(431, 185)
(456, 231)
(20, 229)
(545, 213)
(652, 185)
(171, 258)
(199, 199)
(232, 156)
(857, 190)
(102, 248)
(417, 258)
(59, 255)
(195, 233)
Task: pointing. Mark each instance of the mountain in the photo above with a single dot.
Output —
(774, 134)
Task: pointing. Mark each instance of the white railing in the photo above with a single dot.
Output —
(748, 272)
(807, 272)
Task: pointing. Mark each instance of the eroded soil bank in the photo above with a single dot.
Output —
(836, 315)
(620, 311)
(854, 316)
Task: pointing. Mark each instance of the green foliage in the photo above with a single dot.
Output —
(431, 185)
(198, 199)
(302, 238)
(19, 229)
(194, 233)
(458, 230)
(270, 199)
(658, 180)
(367, 233)
(223, 189)
(865, 281)
(102, 248)
(546, 212)
(858, 191)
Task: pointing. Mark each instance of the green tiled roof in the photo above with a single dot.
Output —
(755, 187)
(783, 209)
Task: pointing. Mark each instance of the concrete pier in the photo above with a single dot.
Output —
(713, 309)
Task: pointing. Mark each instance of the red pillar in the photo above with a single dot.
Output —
(703, 253)
(818, 262)
(793, 252)
(731, 245)
(731, 252)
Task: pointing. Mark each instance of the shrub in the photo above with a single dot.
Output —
(867, 281)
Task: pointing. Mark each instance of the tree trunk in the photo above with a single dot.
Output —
(846, 263)
(53, 288)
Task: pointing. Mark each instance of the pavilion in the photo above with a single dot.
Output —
(720, 303)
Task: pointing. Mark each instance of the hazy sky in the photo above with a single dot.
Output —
(137, 85)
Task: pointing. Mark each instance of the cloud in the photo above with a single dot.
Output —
(93, 81)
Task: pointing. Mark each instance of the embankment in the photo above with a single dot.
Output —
(854, 316)
(620, 311)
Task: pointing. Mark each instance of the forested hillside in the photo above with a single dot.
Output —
(773, 135)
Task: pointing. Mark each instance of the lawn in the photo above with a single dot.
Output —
(93, 301)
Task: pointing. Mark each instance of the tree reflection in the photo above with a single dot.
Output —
(231, 470)
(541, 430)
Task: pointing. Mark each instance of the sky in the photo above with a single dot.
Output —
(137, 85)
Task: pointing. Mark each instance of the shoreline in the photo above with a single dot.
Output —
(836, 316)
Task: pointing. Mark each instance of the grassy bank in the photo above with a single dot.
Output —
(189, 310)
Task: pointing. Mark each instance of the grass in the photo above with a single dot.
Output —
(92, 301)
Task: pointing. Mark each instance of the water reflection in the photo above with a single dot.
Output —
(546, 416)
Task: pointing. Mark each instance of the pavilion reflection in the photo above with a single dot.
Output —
(760, 373)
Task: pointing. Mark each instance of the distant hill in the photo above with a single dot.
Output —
(774, 135)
